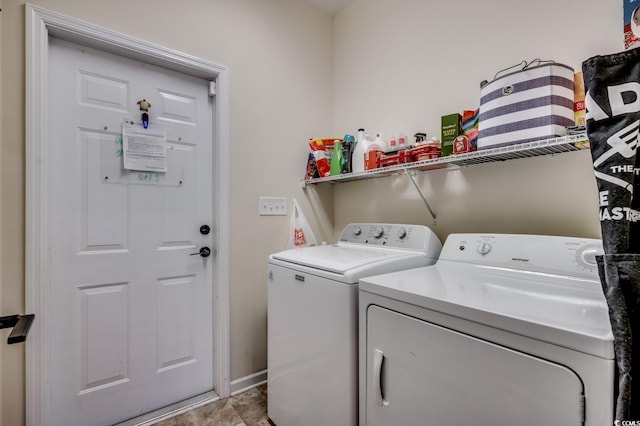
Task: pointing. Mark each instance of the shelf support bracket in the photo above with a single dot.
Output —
(426, 203)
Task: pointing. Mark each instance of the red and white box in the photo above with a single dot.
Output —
(631, 11)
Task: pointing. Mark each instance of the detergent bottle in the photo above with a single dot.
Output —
(348, 145)
(376, 148)
(357, 160)
(336, 158)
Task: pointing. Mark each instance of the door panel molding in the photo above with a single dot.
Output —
(40, 25)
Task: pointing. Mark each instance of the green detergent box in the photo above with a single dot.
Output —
(451, 128)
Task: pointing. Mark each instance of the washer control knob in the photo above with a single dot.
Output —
(402, 233)
(586, 256)
(589, 255)
(357, 231)
(484, 247)
(378, 232)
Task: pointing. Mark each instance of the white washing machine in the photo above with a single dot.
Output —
(503, 330)
(313, 318)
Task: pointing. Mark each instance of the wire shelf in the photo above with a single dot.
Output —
(559, 145)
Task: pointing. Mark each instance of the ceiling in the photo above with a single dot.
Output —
(331, 7)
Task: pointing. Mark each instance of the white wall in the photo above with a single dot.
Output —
(279, 55)
(386, 65)
(402, 64)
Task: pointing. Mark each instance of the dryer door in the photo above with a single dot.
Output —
(419, 373)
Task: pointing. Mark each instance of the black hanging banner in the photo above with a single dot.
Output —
(612, 85)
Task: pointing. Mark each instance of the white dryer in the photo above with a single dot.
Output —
(503, 330)
(313, 318)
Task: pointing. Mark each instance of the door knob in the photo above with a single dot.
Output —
(204, 252)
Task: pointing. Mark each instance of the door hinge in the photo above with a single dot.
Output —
(212, 88)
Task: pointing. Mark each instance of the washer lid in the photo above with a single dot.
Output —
(340, 259)
(566, 311)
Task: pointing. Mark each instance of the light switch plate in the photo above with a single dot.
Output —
(273, 206)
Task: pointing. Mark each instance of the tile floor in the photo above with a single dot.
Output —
(245, 409)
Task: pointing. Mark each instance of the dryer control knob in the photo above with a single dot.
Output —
(378, 232)
(357, 231)
(484, 247)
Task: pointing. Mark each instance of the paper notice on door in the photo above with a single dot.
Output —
(144, 149)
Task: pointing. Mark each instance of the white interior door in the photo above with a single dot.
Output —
(131, 326)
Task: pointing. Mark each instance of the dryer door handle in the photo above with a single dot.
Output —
(378, 360)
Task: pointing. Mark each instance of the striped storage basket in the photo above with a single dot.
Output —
(531, 104)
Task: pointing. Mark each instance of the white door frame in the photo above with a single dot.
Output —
(40, 24)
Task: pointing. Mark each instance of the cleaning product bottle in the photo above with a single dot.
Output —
(374, 149)
(336, 158)
(392, 145)
(402, 141)
(357, 160)
(348, 144)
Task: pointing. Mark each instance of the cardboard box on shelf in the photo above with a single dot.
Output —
(450, 129)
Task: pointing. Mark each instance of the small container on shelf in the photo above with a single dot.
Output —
(400, 157)
(426, 151)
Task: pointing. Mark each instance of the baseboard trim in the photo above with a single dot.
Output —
(172, 410)
(247, 382)
(240, 385)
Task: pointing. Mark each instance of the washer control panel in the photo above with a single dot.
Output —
(562, 255)
(405, 236)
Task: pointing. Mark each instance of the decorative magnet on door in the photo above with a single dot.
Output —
(144, 106)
